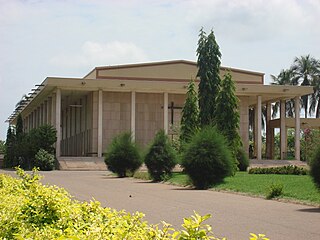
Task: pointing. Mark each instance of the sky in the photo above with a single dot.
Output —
(69, 38)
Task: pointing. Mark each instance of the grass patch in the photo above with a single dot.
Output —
(295, 187)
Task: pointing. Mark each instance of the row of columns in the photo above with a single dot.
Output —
(54, 117)
(283, 131)
(39, 116)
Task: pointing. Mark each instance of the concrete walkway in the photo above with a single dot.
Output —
(234, 216)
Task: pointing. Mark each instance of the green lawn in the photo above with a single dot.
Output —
(297, 188)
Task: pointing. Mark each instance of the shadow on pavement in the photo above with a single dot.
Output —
(310, 210)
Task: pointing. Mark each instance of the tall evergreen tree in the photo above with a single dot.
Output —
(208, 71)
(10, 157)
(190, 114)
(227, 113)
(19, 126)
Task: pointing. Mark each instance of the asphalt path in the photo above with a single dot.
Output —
(233, 216)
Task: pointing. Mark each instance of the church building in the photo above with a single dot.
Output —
(143, 98)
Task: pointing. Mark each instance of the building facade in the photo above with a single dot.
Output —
(143, 98)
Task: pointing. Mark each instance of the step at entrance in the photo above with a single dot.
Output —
(82, 164)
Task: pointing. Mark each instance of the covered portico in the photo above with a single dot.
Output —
(267, 95)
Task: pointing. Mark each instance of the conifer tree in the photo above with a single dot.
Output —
(190, 114)
(19, 126)
(227, 113)
(10, 157)
(208, 71)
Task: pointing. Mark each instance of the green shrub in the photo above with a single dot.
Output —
(2, 147)
(43, 137)
(243, 160)
(161, 157)
(315, 168)
(286, 170)
(274, 190)
(44, 160)
(122, 155)
(21, 148)
(207, 159)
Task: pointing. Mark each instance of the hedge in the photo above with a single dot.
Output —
(286, 170)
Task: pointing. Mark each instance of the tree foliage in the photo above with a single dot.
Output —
(227, 113)
(305, 70)
(208, 71)
(284, 78)
(161, 157)
(207, 158)
(21, 148)
(315, 167)
(190, 114)
(19, 126)
(10, 159)
(2, 147)
(122, 155)
(44, 161)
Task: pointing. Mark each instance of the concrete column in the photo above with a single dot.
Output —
(58, 121)
(133, 115)
(39, 116)
(43, 113)
(297, 128)
(165, 113)
(272, 143)
(283, 133)
(269, 142)
(48, 111)
(25, 124)
(100, 114)
(258, 129)
(53, 110)
(34, 120)
(29, 122)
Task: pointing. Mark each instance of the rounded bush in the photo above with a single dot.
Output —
(161, 157)
(44, 160)
(207, 158)
(243, 160)
(315, 168)
(122, 155)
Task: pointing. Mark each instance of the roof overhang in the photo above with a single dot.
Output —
(269, 93)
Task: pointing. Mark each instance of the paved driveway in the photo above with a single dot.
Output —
(234, 216)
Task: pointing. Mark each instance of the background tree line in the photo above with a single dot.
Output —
(31, 149)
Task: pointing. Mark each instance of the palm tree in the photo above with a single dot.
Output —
(305, 70)
(315, 97)
(285, 77)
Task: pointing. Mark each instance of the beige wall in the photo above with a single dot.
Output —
(178, 100)
(149, 116)
(116, 115)
(171, 71)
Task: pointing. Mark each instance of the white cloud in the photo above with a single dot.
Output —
(96, 54)
(68, 38)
